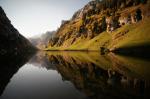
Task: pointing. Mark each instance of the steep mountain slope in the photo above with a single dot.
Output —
(10, 39)
(104, 24)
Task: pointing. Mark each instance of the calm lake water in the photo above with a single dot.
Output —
(75, 75)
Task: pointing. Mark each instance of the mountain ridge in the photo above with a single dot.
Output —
(98, 17)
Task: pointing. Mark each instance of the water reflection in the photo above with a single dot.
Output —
(9, 65)
(80, 75)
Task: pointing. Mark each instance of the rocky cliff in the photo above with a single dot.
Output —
(98, 16)
(11, 41)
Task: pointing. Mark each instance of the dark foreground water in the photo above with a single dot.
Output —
(75, 75)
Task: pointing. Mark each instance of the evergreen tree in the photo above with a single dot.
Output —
(138, 15)
(143, 1)
(104, 24)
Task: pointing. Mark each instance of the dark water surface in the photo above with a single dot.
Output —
(74, 75)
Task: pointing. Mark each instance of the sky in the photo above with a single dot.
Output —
(33, 17)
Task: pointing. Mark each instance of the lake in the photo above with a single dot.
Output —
(74, 75)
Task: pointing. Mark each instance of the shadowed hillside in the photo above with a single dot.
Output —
(11, 41)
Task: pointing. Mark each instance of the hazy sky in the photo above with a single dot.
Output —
(32, 17)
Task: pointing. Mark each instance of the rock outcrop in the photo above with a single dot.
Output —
(11, 41)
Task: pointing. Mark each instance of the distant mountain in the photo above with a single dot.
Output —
(11, 41)
(105, 24)
(43, 40)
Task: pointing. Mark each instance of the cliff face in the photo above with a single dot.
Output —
(97, 17)
(10, 39)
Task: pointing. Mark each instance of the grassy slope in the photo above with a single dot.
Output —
(85, 44)
(93, 44)
(138, 35)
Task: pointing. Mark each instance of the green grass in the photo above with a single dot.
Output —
(93, 44)
(137, 35)
(86, 44)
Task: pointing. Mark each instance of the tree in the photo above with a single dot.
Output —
(104, 24)
(136, 2)
(138, 15)
(144, 1)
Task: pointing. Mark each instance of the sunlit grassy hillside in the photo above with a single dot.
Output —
(129, 35)
(137, 35)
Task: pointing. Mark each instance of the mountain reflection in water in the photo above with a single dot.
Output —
(76, 75)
